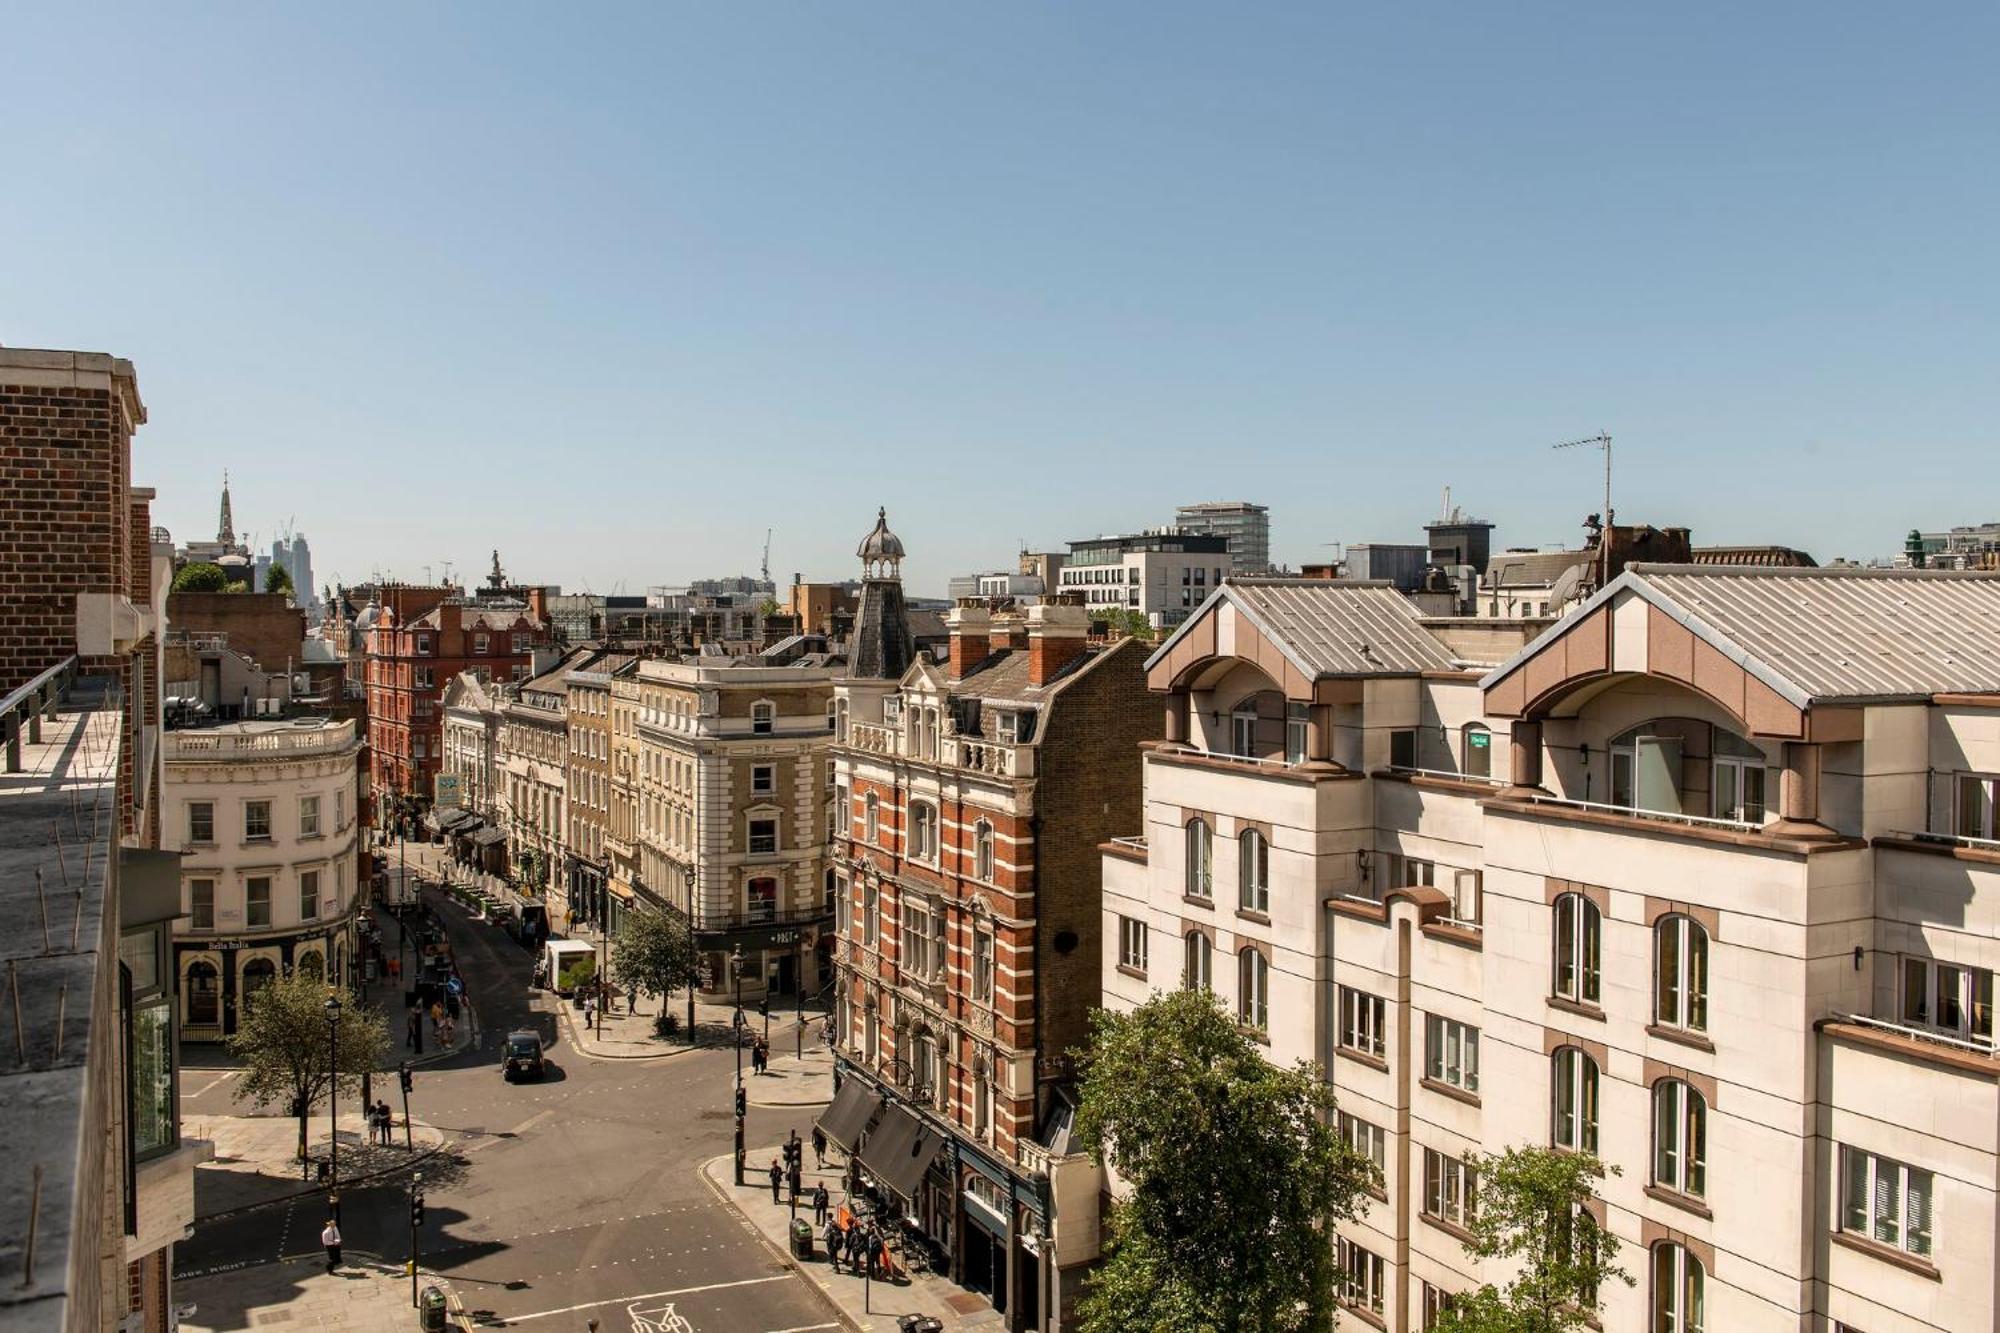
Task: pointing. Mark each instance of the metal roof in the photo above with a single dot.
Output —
(1334, 627)
(1826, 634)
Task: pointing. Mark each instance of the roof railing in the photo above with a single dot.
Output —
(1658, 816)
(32, 703)
(1977, 1045)
(1412, 769)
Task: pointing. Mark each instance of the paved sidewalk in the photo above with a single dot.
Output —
(364, 1295)
(794, 1080)
(256, 1157)
(873, 1306)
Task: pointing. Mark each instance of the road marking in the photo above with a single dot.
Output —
(212, 1083)
(805, 1328)
(649, 1296)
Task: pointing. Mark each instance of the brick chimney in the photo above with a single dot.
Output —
(1006, 632)
(970, 624)
(1057, 632)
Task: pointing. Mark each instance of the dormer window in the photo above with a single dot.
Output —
(763, 717)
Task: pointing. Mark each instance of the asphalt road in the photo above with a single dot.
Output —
(558, 1201)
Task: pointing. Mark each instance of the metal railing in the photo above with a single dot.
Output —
(1957, 840)
(1657, 816)
(1412, 769)
(1976, 1045)
(1200, 752)
(32, 703)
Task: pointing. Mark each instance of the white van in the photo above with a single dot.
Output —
(559, 954)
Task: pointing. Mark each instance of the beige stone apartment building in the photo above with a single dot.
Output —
(1704, 880)
(587, 784)
(728, 792)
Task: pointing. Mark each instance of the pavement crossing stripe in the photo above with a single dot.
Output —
(648, 1296)
(805, 1328)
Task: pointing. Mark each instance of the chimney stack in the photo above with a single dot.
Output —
(1056, 637)
(971, 625)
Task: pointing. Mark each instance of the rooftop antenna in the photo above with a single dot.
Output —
(1601, 440)
(767, 555)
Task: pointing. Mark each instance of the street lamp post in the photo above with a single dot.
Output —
(333, 1091)
(736, 971)
(687, 879)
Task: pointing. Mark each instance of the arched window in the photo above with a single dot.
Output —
(1200, 864)
(204, 996)
(1254, 884)
(309, 965)
(1198, 971)
(1573, 1100)
(1476, 742)
(1680, 1138)
(1253, 988)
(923, 831)
(1680, 973)
(763, 718)
(872, 818)
(982, 850)
(257, 974)
(1677, 1290)
(1578, 949)
(982, 1099)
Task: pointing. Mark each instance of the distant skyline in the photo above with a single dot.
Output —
(616, 289)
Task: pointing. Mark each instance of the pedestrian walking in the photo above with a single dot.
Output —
(792, 1177)
(819, 1148)
(834, 1242)
(413, 1038)
(777, 1179)
(587, 1011)
(388, 1119)
(331, 1239)
(820, 1202)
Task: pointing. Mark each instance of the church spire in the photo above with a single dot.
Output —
(226, 534)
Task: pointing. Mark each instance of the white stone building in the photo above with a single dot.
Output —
(1727, 915)
(1163, 574)
(266, 815)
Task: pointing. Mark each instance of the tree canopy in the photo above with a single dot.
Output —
(1235, 1173)
(1532, 1206)
(201, 576)
(279, 579)
(653, 953)
(281, 1038)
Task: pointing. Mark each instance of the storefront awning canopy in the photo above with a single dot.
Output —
(900, 1150)
(486, 837)
(854, 1107)
(460, 821)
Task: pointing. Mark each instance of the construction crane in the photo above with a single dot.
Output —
(767, 555)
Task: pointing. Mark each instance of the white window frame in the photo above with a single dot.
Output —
(871, 819)
(1451, 1053)
(923, 840)
(1197, 961)
(309, 816)
(983, 953)
(1876, 1197)
(1360, 1276)
(1132, 943)
(1680, 1138)
(1451, 1188)
(309, 892)
(1298, 732)
(1243, 731)
(1253, 869)
(763, 718)
(1576, 954)
(750, 823)
(197, 918)
(1952, 999)
(1978, 822)
(1199, 880)
(763, 779)
(1575, 1111)
(1363, 1022)
(1253, 988)
(985, 852)
(1680, 981)
(195, 837)
(249, 834)
(270, 884)
(1679, 1290)
(1366, 1138)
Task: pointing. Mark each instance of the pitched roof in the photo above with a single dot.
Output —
(1825, 634)
(1330, 627)
(1531, 569)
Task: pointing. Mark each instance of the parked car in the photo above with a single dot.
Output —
(524, 1056)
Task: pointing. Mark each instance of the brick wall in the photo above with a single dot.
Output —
(263, 626)
(64, 465)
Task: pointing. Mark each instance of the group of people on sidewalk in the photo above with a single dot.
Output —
(850, 1239)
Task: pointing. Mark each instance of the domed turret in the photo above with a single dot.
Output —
(881, 551)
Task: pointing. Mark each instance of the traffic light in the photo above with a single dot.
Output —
(742, 1103)
(409, 1079)
(416, 1210)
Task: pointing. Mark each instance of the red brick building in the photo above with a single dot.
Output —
(972, 797)
(419, 639)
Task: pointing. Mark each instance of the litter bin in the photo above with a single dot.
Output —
(802, 1238)
(431, 1305)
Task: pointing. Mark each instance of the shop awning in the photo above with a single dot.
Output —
(854, 1107)
(486, 837)
(460, 821)
(900, 1150)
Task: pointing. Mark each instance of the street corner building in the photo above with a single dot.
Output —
(971, 795)
(1701, 879)
(99, 1184)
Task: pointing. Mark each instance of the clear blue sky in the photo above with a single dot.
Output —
(614, 289)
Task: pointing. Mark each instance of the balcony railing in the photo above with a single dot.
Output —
(709, 919)
(999, 758)
(1446, 774)
(260, 744)
(1276, 763)
(872, 737)
(1956, 840)
(1635, 812)
(1982, 1046)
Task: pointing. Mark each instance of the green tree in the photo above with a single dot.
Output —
(279, 579)
(652, 953)
(1125, 620)
(1236, 1175)
(201, 576)
(281, 1038)
(1531, 1209)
